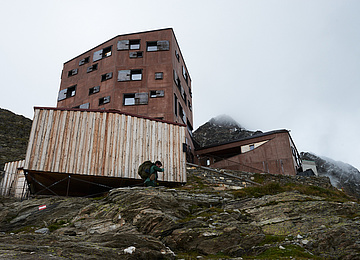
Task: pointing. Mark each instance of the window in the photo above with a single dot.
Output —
(182, 113)
(94, 90)
(72, 72)
(251, 146)
(134, 44)
(175, 105)
(92, 68)
(185, 74)
(127, 75)
(104, 100)
(128, 44)
(159, 75)
(189, 105)
(106, 76)
(156, 93)
(157, 46)
(67, 93)
(98, 55)
(135, 54)
(190, 92)
(84, 60)
(177, 80)
(136, 99)
(84, 106)
(177, 55)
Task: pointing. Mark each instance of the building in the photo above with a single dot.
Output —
(271, 152)
(77, 152)
(140, 73)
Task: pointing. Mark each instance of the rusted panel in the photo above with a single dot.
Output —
(102, 143)
(12, 183)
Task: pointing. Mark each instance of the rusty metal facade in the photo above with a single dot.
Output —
(103, 143)
(13, 181)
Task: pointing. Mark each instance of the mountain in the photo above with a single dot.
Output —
(14, 135)
(221, 129)
(342, 175)
(216, 215)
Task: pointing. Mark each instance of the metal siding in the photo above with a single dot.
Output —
(103, 144)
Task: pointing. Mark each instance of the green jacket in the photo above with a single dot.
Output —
(153, 170)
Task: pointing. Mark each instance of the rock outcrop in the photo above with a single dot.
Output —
(14, 135)
(217, 215)
(221, 129)
(342, 175)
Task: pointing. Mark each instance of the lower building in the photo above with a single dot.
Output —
(271, 152)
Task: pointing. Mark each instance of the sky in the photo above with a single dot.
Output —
(269, 64)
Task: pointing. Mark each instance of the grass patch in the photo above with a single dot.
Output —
(259, 178)
(273, 188)
(259, 191)
(271, 239)
(293, 251)
(201, 212)
(26, 229)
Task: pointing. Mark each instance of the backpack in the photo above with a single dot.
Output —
(144, 169)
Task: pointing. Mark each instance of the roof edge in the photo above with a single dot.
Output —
(126, 34)
(246, 138)
(109, 111)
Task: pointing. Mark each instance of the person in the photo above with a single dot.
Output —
(154, 169)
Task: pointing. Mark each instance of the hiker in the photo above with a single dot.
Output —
(154, 169)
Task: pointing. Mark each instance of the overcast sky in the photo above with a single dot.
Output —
(268, 64)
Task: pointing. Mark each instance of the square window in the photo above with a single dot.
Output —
(134, 44)
(107, 52)
(106, 76)
(136, 75)
(151, 46)
(72, 72)
(92, 68)
(136, 54)
(159, 75)
(84, 61)
(252, 147)
(94, 90)
(136, 99)
(129, 99)
(156, 93)
(103, 53)
(104, 100)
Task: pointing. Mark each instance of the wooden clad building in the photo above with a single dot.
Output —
(13, 181)
(77, 151)
(271, 152)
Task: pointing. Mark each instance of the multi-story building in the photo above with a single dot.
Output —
(141, 73)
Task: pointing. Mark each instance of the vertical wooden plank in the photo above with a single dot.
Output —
(59, 140)
(73, 143)
(31, 139)
(38, 141)
(121, 147)
(50, 161)
(127, 146)
(68, 132)
(102, 145)
(108, 156)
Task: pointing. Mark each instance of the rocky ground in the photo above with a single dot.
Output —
(217, 215)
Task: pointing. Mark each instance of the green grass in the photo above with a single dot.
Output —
(294, 251)
(271, 239)
(273, 188)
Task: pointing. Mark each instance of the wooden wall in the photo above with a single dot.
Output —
(12, 183)
(103, 143)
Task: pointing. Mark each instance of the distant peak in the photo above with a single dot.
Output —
(224, 120)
